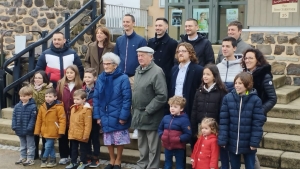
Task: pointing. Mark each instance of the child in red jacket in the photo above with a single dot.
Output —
(206, 151)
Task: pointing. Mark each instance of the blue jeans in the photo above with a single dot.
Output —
(224, 157)
(179, 158)
(27, 146)
(49, 148)
(235, 160)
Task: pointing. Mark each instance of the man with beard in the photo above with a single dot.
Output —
(202, 46)
(55, 60)
(164, 47)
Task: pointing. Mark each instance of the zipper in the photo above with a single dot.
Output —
(226, 71)
(238, 138)
(169, 129)
(126, 56)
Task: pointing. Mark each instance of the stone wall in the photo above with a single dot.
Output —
(22, 16)
(282, 51)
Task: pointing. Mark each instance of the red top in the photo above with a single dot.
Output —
(206, 152)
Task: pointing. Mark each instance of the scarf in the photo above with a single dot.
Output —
(209, 89)
(39, 87)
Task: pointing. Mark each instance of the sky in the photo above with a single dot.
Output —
(128, 3)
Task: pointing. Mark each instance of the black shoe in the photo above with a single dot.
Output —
(109, 166)
(95, 163)
(117, 167)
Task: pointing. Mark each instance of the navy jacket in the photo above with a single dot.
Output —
(117, 107)
(191, 84)
(263, 83)
(90, 94)
(23, 118)
(54, 61)
(125, 48)
(241, 122)
(175, 131)
(203, 49)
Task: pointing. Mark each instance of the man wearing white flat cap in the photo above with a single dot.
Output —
(148, 99)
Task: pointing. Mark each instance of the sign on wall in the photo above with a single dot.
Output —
(176, 17)
(284, 5)
(232, 15)
(202, 16)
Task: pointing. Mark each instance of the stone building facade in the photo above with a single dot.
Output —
(22, 16)
(282, 51)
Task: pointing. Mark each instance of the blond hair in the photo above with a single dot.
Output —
(212, 123)
(80, 93)
(26, 91)
(177, 100)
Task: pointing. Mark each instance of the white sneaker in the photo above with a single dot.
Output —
(64, 161)
(135, 134)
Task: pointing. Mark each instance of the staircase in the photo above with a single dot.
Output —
(280, 146)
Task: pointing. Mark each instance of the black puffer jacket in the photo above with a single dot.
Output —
(206, 104)
(263, 83)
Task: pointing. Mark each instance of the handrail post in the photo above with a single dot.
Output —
(31, 60)
(16, 76)
(45, 44)
(93, 17)
(67, 27)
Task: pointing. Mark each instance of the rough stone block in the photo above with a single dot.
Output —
(288, 80)
(49, 3)
(59, 20)
(19, 29)
(9, 40)
(22, 11)
(295, 40)
(296, 81)
(50, 15)
(28, 3)
(289, 50)
(84, 49)
(52, 24)
(28, 21)
(14, 18)
(290, 160)
(265, 49)
(284, 58)
(245, 35)
(1, 11)
(257, 38)
(4, 18)
(34, 12)
(282, 39)
(39, 3)
(279, 49)
(293, 69)
(74, 5)
(269, 39)
(29, 37)
(18, 3)
(10, 47)
(11, 11)
(297, 50)
(64, 3)
(278, 68)
(35, 28)
(270, 57)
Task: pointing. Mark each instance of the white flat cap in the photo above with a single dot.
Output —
(145, 49)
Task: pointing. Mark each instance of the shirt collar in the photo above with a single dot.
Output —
(185, 66)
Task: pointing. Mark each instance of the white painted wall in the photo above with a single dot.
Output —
(127, 3)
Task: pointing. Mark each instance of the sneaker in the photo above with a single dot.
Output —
(64, 161)
(95, 163)
(109, 166)
(20, 161)
(71, 166)
(89, 162)
(44, 163)
(52, 163)
(28, 163)
(135, 134)
(81, 166)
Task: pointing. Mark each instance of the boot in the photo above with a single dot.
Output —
(52, 163)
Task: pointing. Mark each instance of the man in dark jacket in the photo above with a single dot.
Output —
(202, 46)
(148, 99)
(235, 31)
(55, 60)
(164, 47)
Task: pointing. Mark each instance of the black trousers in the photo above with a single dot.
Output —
(83, 151)
(94, 140)
(37, 142)
(63, 145)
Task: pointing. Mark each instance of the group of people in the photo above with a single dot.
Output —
(171, 93)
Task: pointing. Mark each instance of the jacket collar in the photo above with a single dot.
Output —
(130, 36)
(164, 38)
(60, 50)
(141, 71)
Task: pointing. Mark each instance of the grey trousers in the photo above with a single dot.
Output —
(27, 147)
(149, 146)
(257, 164)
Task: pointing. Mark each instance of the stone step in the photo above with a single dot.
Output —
(269, 158)
(279, 81)
(287, 94)
(283, 142)
(287, 111)
(290, 160)
(5, 127)
(283, 126)
(6, 113)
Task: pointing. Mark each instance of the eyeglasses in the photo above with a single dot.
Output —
(181, 51)
(249, 58)
(38, 78)
(107, 64)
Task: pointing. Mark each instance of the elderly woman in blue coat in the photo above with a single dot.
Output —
(112, 102)
(241, 121)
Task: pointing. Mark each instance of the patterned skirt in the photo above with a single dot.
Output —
(120, 137)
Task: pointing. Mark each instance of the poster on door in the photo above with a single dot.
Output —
(232, 15)
(202, 16)
(176, 17)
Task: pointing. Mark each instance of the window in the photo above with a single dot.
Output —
(161, 3)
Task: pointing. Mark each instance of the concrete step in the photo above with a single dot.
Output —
(287, 94)
(6, 113)
(283, 126)
(279, 81)
(283, 142)
(287, 111)
(5, 127)
(290, 160)
(269, 158)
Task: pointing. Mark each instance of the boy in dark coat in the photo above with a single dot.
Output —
(175, 131)
(23, 121)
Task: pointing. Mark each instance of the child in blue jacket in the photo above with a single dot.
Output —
(241, 122)
(23, 121)
(175, 131)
